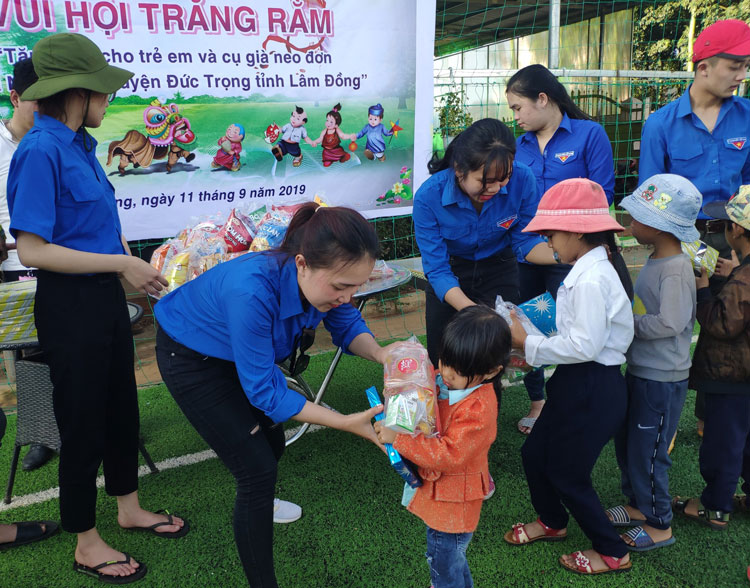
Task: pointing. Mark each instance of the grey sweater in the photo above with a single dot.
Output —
(661, 347)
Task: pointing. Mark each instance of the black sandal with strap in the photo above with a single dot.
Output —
(108, 579)
(716, 519)
(170, 521)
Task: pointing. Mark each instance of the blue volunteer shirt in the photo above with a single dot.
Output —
(676, 141)
(578, 149)
(447, 224)
(249, 311)
(59, 191)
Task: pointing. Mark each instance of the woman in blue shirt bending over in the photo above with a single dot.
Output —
(222, 335)
(561, 142)
(468, 219)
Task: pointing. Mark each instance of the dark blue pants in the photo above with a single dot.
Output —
(209, 392)
(725, 452)
(536, 280)
(654, 410)
(446, 556)
(585, 407)
(481, 281)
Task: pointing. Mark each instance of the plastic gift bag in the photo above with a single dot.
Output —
(517, 356)
(410, 397)
(702, 256)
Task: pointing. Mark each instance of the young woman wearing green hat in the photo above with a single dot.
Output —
(64, 218)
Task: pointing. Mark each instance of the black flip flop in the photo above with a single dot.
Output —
(30, 532)
(106, 578)
(170, 521)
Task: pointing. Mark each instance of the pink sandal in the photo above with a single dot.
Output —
(518, 536)
(583, 564)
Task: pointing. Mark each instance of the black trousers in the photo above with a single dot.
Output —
(481, 281)
(209, 392)
(586, 406)
(84, 330)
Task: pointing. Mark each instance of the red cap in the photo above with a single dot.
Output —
(724, 37)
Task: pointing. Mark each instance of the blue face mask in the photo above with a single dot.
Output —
(453, 396)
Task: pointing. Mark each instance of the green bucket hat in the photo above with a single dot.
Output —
(68, 60)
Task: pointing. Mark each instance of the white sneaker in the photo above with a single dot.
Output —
(285, 512)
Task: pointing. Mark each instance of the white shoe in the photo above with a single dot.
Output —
(285, 512)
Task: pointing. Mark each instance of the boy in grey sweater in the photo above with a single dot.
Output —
(664, 209)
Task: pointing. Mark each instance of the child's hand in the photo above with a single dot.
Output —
(517, 332)
(724, 267)
(385, 435)
(702, 280)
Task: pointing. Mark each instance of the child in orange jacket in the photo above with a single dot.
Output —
(453, 466)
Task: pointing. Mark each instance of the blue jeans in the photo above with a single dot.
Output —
(446, 556)
(641, 446)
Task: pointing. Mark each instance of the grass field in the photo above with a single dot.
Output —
(353, 531)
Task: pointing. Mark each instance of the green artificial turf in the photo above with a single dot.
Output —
(354, 531)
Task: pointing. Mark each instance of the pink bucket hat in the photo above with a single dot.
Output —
(577, 205)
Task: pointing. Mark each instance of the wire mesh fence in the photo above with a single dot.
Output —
(620, 61)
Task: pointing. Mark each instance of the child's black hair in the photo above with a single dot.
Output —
(299, 110)
(476, 342)
(607, 238)
(23, 75)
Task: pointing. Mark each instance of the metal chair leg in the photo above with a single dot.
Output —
(12, 476)
(146, 456)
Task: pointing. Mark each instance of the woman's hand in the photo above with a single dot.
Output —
(382, 355)
(142, 276)
(360, 423)
(517, 332)
(385, 435)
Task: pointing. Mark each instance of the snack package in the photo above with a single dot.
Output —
(702, 256)
(517, 357)
(410, 397)
(380, 270)
(203, 231)
(177, 271)
(164, 252)
(271, 230)
(237, 232)
(541, 311)
(403, 467)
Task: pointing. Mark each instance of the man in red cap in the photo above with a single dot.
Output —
(704, 135)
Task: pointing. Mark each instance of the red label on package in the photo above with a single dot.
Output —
(408, 365)
(236, 235)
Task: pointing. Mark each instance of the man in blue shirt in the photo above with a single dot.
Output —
(704, 135)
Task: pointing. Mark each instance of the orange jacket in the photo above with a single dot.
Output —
(453, 466)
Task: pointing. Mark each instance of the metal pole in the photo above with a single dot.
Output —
(554, 35)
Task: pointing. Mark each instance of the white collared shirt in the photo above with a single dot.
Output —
(594, 317)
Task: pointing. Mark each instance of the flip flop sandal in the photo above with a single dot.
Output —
(527, 422)
(583, 564)
(106, 578)
(643, 541)
(620, 518)
(704, 516)
(170, 521)
(518, 536)
(30, 532)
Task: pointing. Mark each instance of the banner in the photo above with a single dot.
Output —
(237, 101)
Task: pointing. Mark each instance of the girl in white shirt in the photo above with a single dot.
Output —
(587, 397)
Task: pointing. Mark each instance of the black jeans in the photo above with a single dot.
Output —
(84, 330)
(209, 392)
(481, 281)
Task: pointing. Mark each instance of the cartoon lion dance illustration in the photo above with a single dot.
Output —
(164, 127)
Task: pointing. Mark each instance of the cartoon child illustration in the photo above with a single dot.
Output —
(230, 146)
(375, 131)
(291, 134)
(331, 137)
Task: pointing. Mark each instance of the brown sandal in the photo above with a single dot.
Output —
(583, 564)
